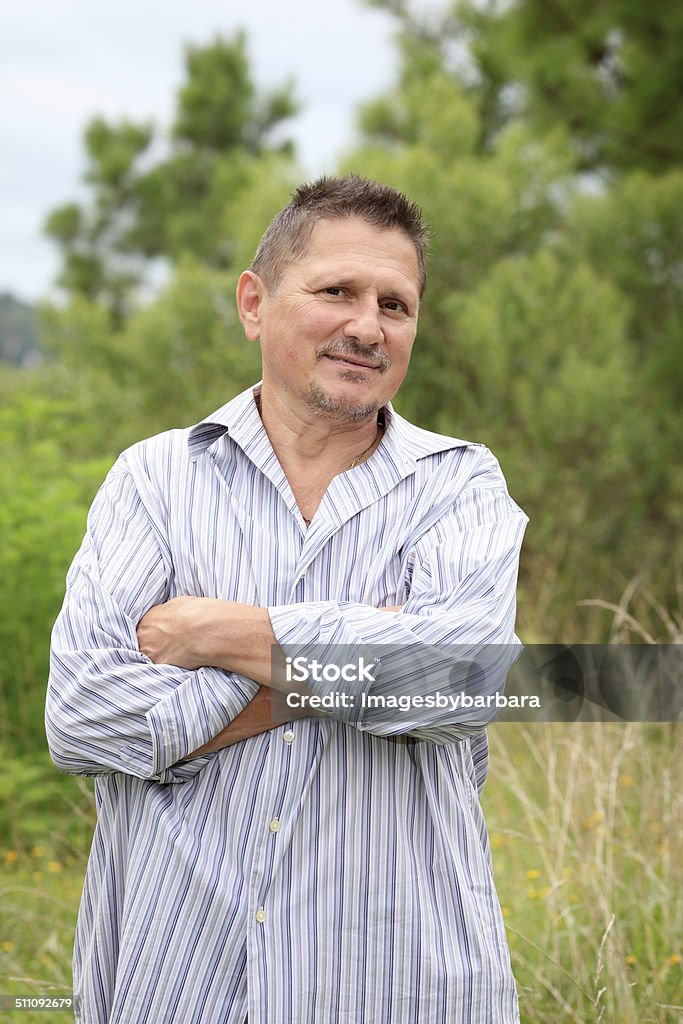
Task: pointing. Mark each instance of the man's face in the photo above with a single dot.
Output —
(337, 333)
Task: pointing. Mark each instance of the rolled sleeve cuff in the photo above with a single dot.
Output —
(193, 714)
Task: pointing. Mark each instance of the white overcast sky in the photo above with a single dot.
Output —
(62, 61)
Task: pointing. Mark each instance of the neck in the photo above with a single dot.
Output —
(301, 437)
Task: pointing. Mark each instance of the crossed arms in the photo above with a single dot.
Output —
(191, 632)
(151, 687)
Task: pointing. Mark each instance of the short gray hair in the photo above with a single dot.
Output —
(288, 234)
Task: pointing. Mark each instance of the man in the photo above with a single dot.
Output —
(255, 857)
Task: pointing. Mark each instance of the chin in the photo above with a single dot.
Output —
(340, 406)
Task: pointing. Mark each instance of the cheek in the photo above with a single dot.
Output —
(400, 350)
(301, 340)
(323, 324)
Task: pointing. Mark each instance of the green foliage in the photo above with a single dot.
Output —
(112, 151)
(609, 74)
(575, 812)
(609, 71)
(219, 108)
(174, 360)
(143, 209)
(184, 355)
(40, 806)
(634, 234)
(429, 108)
(542, 365)
(42, 520)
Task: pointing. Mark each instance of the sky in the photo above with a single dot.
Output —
(63, 61)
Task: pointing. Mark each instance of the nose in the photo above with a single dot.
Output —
(365, 323)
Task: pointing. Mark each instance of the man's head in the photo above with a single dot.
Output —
(333, 296)
(288, 235)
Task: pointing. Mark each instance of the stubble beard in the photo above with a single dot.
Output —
(320, 402)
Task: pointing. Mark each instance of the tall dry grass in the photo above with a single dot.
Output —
(586, 824)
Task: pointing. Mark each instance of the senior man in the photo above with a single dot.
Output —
(254, 858)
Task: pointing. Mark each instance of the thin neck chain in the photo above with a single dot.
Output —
(359, 458)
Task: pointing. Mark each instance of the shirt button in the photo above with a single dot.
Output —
(274, 825)
(260, 915)
(288, 736)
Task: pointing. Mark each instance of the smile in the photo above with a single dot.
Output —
(352, 362)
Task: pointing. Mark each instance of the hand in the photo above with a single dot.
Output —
(192, 632)
(166, 633)
(267, 710)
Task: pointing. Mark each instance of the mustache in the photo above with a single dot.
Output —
(351, 347)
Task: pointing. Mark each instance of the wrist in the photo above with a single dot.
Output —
(210, 632)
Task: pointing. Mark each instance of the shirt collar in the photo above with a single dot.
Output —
(239, 418)
(403, 444)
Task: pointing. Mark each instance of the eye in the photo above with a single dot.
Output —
(334, 291)
(394, 306)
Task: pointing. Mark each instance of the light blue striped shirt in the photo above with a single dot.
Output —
(326, 871)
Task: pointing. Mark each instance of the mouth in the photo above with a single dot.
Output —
(352, 362)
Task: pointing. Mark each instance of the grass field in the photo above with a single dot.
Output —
(586, 826)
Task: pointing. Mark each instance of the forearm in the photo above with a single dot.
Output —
(192, 632)
(136, 719)
(417, 659)
(268, 710)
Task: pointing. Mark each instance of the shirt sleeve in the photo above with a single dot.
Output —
(454, 635)
(109, 707)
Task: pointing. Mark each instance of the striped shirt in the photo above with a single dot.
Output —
(328, 870)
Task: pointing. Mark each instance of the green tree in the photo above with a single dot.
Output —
(610, 74)
(173, 359)
(144, 208)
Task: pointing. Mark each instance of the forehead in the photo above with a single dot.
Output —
(350, 245)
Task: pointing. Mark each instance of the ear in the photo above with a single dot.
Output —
(250, 295)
